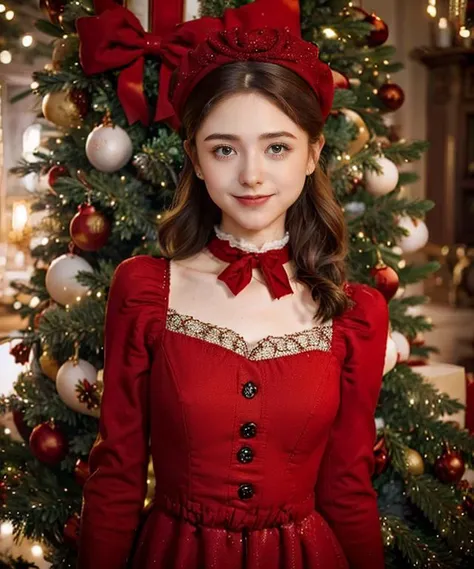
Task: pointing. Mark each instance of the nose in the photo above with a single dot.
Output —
(251, 172)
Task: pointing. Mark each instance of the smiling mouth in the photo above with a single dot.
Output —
(253, 197)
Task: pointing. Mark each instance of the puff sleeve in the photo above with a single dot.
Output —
(114, 493)
(344, 491)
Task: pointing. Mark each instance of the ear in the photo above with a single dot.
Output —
(314, 154)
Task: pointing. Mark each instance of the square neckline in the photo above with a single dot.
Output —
(230, 339)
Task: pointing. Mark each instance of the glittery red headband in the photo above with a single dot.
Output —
(265, 30)
(268, 45)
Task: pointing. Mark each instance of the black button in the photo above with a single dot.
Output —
(245, 491)
(248, 430)
(249, 390)
(245, 455)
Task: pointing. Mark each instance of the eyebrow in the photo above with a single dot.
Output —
(265, 136)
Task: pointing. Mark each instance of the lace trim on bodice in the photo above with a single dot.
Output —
(248, 247)
(317, 338)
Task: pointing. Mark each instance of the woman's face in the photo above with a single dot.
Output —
(247, 146)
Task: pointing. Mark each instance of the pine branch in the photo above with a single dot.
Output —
(343, 98)
(438, 503)
(402, 152)
(407, 178)
(410, 544)
(82, 323)
(412, 273)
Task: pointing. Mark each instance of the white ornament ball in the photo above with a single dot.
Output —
(418, 234)
(354, 209)
(61, 282)
(391, 356)
(379, 423)
(384, 183)
(67, 381)
(108, 148)
(403, 346)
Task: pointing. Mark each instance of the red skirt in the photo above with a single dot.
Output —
(167, 541)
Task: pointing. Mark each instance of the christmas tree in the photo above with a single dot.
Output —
(111, 175)
(20, 42)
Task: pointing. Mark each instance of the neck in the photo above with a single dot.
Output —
(255, 237)
(256, 245)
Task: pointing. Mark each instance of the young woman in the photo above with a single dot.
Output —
(242, 360)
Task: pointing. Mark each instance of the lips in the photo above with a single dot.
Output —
(252, 201)
(253, 197)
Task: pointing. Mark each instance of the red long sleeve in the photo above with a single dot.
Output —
(344, 492)
(114, 493)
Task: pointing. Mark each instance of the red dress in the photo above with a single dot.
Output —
(263, 458)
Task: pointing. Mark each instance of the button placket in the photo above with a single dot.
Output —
(248, 430)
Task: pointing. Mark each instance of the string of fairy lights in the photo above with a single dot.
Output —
(26, 41)
(453, 11)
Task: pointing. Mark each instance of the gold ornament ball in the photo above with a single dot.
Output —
(363, 136)
(49, 366)
(60, 110)
(63, 48)
(414, 462)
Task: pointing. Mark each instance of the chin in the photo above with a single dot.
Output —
(253, 223)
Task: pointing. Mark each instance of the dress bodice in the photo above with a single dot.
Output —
(262, 454)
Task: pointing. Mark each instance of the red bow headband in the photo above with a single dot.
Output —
(259, 31)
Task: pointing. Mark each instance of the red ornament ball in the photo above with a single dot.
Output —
(386, 280)
(81, 99)
(381, 457)
(56, 172)
(48, 444)
(71, 531)
(379, 35)
(81, 472)
(392, 96)
(89, 228)
(450, 467)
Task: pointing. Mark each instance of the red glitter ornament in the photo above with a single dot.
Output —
(56, 172)
(386, 280)
(392, 96)
(48, 443)
(379, 35)
(89, 228)
(450, 467)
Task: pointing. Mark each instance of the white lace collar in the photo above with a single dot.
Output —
(244, 245)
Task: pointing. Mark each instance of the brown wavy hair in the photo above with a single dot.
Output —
(315, 222)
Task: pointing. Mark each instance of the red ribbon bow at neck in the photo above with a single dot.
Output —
(239, 272)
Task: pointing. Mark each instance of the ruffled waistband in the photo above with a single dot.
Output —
(233, 519)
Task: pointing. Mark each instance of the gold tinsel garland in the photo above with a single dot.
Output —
(457, 11)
